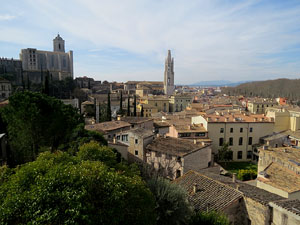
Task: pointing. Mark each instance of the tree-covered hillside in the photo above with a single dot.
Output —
(268, 89)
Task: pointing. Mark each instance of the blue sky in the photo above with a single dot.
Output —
(120, 40)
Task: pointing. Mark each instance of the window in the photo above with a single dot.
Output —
(249, 154)
(178, 173)
(222, 130)
(118, 137)
(251, 129)
(136, 152)
(221, 140)
(240, 141)
(240, 155)
(202, 134)
(241, 130)
(184, 134)
(125, 137)
(136, 141)
(178, 159)
(231, 130)
(231, 141)
(250, 141)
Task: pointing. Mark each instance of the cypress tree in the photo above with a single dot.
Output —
(121, 102)
(128, 106)
(142, 111)
(28, 82)
(134, 103)
(46, 84)
(108, 107)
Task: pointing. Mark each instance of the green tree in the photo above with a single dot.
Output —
(62, 189)
(224, 153)
(209, 218)
(142, 111)
(134, 106)
(128, 106)
(108, 107)
(35, 120)
(172, 206)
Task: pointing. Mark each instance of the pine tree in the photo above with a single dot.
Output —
(142, 111)
(121, 102)
(108, 107)
(128, 106)
(134, 103)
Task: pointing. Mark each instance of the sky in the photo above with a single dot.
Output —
(121, 40)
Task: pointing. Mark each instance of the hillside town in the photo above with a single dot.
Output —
(236, 155)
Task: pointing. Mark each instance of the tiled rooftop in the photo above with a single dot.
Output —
(107, 126)
(281, 178)
(239, 118)
(210, 194)
(173, 146)
(290, 205)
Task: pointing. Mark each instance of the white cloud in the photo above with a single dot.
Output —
(5, 17)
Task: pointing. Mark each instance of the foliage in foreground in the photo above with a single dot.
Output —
(35, 120)
(209, 218)
(61, 189)
(172, 206)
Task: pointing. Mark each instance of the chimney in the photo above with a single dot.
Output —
(233, 178)
(195, 188)
(195, 141)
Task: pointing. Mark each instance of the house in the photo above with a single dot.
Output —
(173, 157)
(180, 102)
(243, 203)
(206, 194)
(109, 129)
(5, 88)
(136, 139)
(161, 128)
(286, 212)
(279, 171)
(240, 131)
(138, 122)
(194, 132)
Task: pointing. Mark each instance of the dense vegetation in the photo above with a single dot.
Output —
(267, 89)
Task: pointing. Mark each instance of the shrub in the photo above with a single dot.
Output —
(245, 175)
(209, 218)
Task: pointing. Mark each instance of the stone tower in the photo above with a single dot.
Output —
(169, 75)
(58, 44)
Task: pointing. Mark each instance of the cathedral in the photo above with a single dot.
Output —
(169, 75)
(58, 62)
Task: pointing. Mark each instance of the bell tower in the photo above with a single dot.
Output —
(58, 44)
(169, 75)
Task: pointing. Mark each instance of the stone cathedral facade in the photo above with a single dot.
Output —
(169, 75)
(58, 62)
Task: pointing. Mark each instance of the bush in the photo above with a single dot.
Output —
(209, 218)
(61, 189)
(172, 206)
(245, 175)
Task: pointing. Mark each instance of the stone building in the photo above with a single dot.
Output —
(240, 131)
(260, 107)
(180, 102)
(12, 67)
(136, 139)
(5, 89)
(278, 171)
(244, 204)
(172, 157)
(169, 75)
(286, 212)
(36, 63)
(109, 129)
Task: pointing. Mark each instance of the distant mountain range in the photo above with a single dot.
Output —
(218, 83)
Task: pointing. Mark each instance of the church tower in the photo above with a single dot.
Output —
(169, 75)
(58, 44)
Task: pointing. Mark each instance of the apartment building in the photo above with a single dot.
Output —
(260, 107)
(240, 131)
(180, 102)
